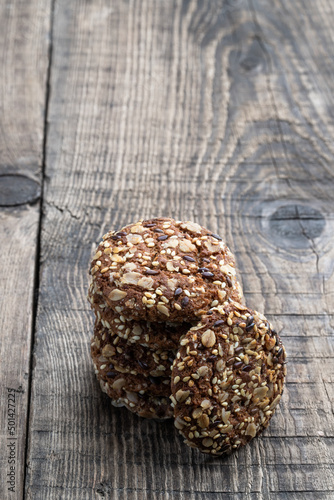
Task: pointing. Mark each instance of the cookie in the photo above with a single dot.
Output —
(164, 270)
(164, 335)
(144, 396)
(143, 405)
(227, 379)
(127, 382)
(132, 358)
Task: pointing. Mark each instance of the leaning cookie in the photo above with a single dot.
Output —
(108, 373)
(163, 335)
(164, 270)
(132, 358)
(227, 379)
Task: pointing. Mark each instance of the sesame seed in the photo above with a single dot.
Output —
(207, 442)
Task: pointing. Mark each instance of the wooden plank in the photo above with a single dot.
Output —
(302, 325)
(18, 233)
(161, 108)
(105, 491)
(24, 26)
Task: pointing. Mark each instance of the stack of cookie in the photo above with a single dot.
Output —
(171, 337)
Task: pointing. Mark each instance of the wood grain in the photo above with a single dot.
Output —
(219, 112)
(24, 27)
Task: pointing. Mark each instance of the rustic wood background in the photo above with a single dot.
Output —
(216, 111)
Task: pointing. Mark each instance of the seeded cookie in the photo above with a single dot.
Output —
(164, 335)
(143, 405)
(227, 379)
(106, 371)
(132, 358)
(146, 406)
(164, 270)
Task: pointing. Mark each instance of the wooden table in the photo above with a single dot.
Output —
(215, 111)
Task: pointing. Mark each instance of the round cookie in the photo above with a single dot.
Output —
(120, 381)
(152, 335)
(164, 270)
(143, 405)
(227, 379)
(132, 358)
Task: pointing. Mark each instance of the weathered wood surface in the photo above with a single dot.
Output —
(24, 27)
(219, 112)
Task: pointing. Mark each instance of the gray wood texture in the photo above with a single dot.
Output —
(215, 111)
(24, 28)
